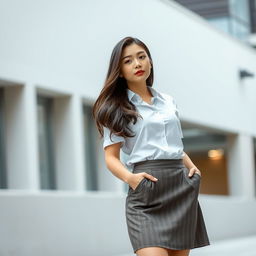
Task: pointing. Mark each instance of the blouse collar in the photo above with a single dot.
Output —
(132, 95)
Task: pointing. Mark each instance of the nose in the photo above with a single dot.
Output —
(137, 63)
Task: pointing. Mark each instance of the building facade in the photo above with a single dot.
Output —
(53, 178)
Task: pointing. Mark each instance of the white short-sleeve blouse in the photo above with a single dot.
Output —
(157, 136)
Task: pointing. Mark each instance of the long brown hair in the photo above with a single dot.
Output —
(112, 108)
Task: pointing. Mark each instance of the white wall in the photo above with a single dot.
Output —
(93, 224)
(64, 47)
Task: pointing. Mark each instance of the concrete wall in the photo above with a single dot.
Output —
(93, 224)
(62, 48)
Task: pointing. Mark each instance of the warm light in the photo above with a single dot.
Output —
(215, 154)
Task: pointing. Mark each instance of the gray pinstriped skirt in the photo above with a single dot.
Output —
(165, 213)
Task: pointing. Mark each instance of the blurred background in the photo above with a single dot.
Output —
(57, 197)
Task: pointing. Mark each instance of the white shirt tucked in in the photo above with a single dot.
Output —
(158, 134)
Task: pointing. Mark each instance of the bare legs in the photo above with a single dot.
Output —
(178, 252)
(159, 251)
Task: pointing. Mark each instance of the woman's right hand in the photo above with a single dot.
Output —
(136, 178)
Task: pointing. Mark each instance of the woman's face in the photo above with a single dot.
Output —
(134, 58)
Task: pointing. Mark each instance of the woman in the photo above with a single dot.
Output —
(163, 214)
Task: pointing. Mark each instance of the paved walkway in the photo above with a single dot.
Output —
(245, 246)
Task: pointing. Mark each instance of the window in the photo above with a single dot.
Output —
(234, 17)
(45, 138)
(252, 8)
(90, 142)
(208, 151)
(3, 175)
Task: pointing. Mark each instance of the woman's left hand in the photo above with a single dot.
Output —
(193, 170)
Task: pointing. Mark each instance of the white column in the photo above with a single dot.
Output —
(21, 137)
(69, 143)
(241, 169)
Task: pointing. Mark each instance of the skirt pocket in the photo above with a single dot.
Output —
(194, 181)
(139, 187)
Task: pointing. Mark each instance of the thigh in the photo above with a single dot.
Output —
(178, 252)
(152, 251)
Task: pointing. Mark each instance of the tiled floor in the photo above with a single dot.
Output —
(245, 246)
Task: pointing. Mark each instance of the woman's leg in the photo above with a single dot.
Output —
(152, 251)
(178, 252)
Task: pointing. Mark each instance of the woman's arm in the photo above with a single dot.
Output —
(190, 165)
(113, 163)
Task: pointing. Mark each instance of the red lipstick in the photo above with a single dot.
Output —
(139, 72)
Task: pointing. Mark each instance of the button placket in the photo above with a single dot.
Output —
(173, 113)
(163, 122)
(160, 117)
(165, 133)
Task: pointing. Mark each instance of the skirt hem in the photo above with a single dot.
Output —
(169, 247)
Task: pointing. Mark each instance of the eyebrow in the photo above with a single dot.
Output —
(131, 55)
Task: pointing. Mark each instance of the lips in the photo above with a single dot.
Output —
(139, 72)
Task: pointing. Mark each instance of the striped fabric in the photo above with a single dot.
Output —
(165, 213)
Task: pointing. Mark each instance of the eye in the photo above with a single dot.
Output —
(143, 56)
(127, 61)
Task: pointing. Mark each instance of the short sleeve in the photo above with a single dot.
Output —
(114, 138)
